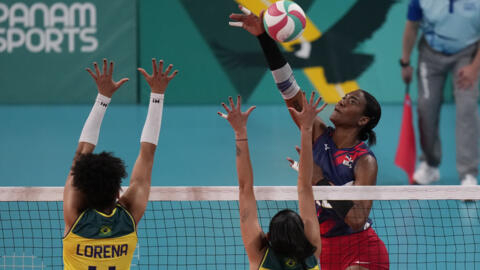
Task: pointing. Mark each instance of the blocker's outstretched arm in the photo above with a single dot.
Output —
(73, 201)
(252, 234)
(306, 202)
(135, 199)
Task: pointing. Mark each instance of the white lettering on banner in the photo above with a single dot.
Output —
(55, 29)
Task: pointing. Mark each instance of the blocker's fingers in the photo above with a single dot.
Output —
(290, 160)
(110, 71)
(321, 108)
(250, 110)
(239, 102)
(160, 67)
(293, 164)
(236, 24)
(173, 75)
(226, 108)
(298, 149)
(122, 81)
(317, 101)
(222, 115)
(91, 74)
(294, 111)
(154, 66)
(245, 10)
(144, 73)
(169, 68)
(312, 97)
(104, 66)
(97, 70)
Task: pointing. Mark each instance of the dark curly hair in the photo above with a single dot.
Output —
(99, 178)
(374, 112)
(287, 236)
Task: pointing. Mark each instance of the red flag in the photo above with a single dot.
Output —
(406, 150)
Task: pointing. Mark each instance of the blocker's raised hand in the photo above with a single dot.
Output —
(309, 111)
(159, 80)
(235, 116)
(104, 80)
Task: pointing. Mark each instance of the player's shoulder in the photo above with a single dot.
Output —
(319, 128)
(92, 223)
(366, 160)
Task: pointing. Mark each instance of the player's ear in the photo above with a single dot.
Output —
(363, 121)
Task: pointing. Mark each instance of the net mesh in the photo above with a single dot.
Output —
(205, 234)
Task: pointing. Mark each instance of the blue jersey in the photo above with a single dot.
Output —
(338, 167)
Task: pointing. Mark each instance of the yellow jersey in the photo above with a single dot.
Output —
(100, 242)
(273, 261)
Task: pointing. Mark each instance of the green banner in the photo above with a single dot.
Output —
(45, 47)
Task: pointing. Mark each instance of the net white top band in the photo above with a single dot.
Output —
(230, 193)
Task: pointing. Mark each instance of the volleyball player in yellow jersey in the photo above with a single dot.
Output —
(100, 225)
(293, 241)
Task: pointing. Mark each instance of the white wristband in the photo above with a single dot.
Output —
(91, 128)
(285, 81)
(151, 129)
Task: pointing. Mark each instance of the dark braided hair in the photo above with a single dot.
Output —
(374, 112)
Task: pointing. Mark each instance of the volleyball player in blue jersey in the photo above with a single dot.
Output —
(340, 156)
(293, 241)
(100, 225)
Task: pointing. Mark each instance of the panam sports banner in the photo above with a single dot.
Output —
(45, 47)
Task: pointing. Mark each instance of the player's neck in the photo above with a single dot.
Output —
(345, 137)
(108, 210)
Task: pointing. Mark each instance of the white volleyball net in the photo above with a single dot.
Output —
(435, 227)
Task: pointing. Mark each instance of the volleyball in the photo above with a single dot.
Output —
(284, 21)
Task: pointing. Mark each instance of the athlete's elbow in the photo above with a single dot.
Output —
(245, 185)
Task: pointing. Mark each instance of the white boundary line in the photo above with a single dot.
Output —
(230, 193)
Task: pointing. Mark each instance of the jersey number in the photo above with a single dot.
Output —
(95, 268)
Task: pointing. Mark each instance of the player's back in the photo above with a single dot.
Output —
(98, 241)
(273, 261)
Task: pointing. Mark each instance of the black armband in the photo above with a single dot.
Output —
(323, 182)
(271, 51)
(340, 207)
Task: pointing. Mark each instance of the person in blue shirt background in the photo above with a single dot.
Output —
(449, 43)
